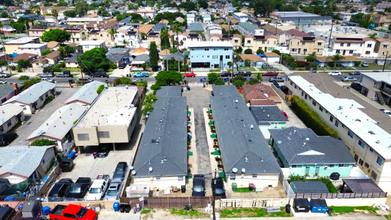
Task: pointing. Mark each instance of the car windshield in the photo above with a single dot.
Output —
(75, 190)
(198, 189)
(119, 171)
(95, 190)
(112, 192)
(219, 191)
(82, 212)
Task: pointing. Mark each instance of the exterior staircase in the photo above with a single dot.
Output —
(379, 96)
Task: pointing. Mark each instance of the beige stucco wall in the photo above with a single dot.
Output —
(260, 181)
(266, 45)
(161, 184)
(369, 83)
(11, 48)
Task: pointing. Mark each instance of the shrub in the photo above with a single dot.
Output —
(24, 77)
(248, 51)
(293, 64)
(42, 142)
(357, 63)
(301, 63)
(253, 82)
(100, 89)
(247, 62)
(49, 99)
(219, 81)
(311, 118)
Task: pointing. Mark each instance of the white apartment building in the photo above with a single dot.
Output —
(191, 18)
(241, 17)
(128, 37)
(33, 48)
(345, 16)
(91, 44)
(358, 47)
(368, 143)
(206, 19)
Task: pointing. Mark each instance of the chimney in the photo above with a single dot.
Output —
(16, 88)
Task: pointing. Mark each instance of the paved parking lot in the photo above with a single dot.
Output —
(42, 115)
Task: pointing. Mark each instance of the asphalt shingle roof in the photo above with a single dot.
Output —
(6, 89)
(241, 146)
(33, 93)
(248, 26)
(195, 27)
(309, 187)
(303, 146)
(167, 125)
(267, 114)
(169, 91)
(86, 94)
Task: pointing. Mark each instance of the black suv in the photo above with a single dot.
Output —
(99, 74)
(242, 73)
(79, 189)
(59, 191)
(225, 74)
(7, 138)
(198, 185)
(218, 187)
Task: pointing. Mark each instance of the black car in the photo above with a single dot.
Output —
(79, 189)
(198, 185)
(7, 138)
(356, 86)
(66, 180)
(277, 79)
(59, 191)
(356, 72)
(99, 74)
(122, 66)
(225, 74)
(119, 172)
(242, 73)
(218, 187)
(103, 152)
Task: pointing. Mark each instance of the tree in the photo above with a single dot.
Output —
(372, 36)
(23, 78)
(260, 51)
(247, 62)
(337, 57)
(46, 52)
(253, 82)
(212, 77)
(259, 77)
(55, 14)
(150, 98)
(229, 64)
(144, 66)
(164, 39)
(147, 108)
(69, 49)
(4, 14)
(219, 81)
(24, 63)
(81, 8)
(177, 28)
(203, 4)
(35, 9)
(166, 78)
(310, 57)
(57, 35)
(102, 11)
(62, 51)
(238, 50)
(238, 81)
(62, 3)
(276, 51)
(263, 7)
(94, 60)
(248, 51)
(112, 32)
(8, 3)
(153, 55)
(70, 13)
(19, 26)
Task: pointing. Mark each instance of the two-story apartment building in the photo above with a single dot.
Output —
(235, 39)
(191, 18)
(87, 45)
(241, 17)
(359, 47)
(12, 45)
(306, 45)
(265, 42)
(127, 37)
(246, 28)
(36, 48)
(367, 141)
(77, 34)
(84, 20)
(382, 47)
(381, 20)
(377, 86)
(210, 54)
(37, 31)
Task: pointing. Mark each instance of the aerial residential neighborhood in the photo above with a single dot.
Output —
(195, 109)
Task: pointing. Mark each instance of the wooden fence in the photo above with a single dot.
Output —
(170, 202)
(49, 182)
(341, 195)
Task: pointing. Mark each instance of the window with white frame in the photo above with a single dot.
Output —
(369, 45)
(361, 144)
(350, 134)
(227, 56)
(385, 45)
(379, 161)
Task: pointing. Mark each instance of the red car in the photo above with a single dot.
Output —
(284, 113)
(189, 74)
(71, 211)
(270, 73)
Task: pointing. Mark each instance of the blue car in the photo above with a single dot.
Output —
(139, 74)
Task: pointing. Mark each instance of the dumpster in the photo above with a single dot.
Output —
(124, 207)
(116, 206)
(234, 187)
(301, 205)
(318, 205)
(32, 208)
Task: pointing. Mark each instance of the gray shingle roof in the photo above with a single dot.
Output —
(21, 160)
(309, 187)
(142, 57)
(33, 93)
(238, 142)
(195, 27)
(167, 124)
(294, 141)
(266, 114)
(159, 27)
(86, 94)
(169, 91)
(6, 89)
(248, 26)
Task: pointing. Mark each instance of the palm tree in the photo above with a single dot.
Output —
(337, 57)
(177, 28)
(112, 31)
(55, 14)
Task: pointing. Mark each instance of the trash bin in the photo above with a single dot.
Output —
(234, 187)
(127, 75)
(116, 206)
(251, 186)
(201, 80)
(183, 188)
(138, 207)
(124, 207)
(329, 211)
(288, 208)
(46, 210)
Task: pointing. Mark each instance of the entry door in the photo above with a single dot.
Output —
(317, 170)
(344, 51)
(298, 51)
(356, 157)
(307, 170)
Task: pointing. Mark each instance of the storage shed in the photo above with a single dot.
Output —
(301, 205)
(318, 205)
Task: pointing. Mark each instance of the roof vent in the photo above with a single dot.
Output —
(340, 107)
(243, 170)
(358, 120)
(134, 172)
(246, 159)
(262, 159)
(165, 158)
(307, 139)
(251, 127)
(294, 131)
(378, 142)
(234, 170)
(371, 132)
(304, 143)
(279, 142)
(150, 169)
(236, 101)
(161, 161)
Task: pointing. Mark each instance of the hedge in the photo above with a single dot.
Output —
(311, 118)
(42, 142)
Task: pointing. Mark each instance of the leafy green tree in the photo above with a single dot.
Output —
(62, 51)
(112, 32)
(55, 14)
(276, 51)
(247, 62)
(259, 77)
(264, 7)
(219, 81)
(144, 66)
(103, 12)
(147, 108)
(57, 35)
(9, 3)
(23, 78)
(253, 82)
(94, 60)
(188, 6)
(238, 50)
(166, 78)
(70, 13)
(293, 65)
(153, 55)
(24, 63)
(164, 39)
(4, 14)
(260, 51)
(81, 8)
(69, 49)
(212, 77)
(310, 57)
(42, 142)
(238, 81)
(46, 52)
(62, 3)
(337, 57)
(19, 27)
(203, 4)
(100, 89)
(155, 87)
(150, 98)
(248, 51)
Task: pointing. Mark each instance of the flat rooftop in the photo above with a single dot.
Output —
(37, 45)
(210, 44)
(23, 40)
(113, 107)
(380, 77)
(91, 42)
(294, 14)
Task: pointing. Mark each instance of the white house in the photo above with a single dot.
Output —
(214, 29)
(128, 37)
(241, 17)
(86, 95)
(36, 48)
(191, 18)
(359, 47)
(91, 44)
(345, 16)
(10, 116)
(206, 18)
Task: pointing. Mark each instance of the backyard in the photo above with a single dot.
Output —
(251, 212)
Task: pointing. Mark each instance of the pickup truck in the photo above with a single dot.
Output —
(242, 73)
(71, 211)
(98, 188)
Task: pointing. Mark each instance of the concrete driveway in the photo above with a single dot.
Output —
(42, 115)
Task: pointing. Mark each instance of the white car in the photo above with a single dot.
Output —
(334, 73)
(98, 188)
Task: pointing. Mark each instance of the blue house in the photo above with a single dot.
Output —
(210, 54)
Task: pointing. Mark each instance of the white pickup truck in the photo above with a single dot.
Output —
(98, 188)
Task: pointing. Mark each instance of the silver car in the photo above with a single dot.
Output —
(348, 78)
(113, 191)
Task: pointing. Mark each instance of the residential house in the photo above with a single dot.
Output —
(95, 25)
(254, 42)
(37, 31)
(214, 29)
(191, 18)
(359, 47)
(261, 92)
(24, 56)
(7, 29)
(91, 44)
(245, 154)
(77, 34)
(7, 91)
(10, 116)
(101, 35)
(161, 160)
(273, 30)
(382, 6)
(158, 27)
(206, 19)
(125, 21)
(146, 13)
(271, 57)
(298, 17)
(348, 61)
(366, 138)
(383, 21)
(60, 10)
(306, 45)
(83, 21)
(377, 86)
(247, 28)
(22, 163)
(268, 117)
(110, 119)
(307, 154)
(58, 126)
(71, 61)
(117, 55)
(232, 20)
(154, 37)
(140, 60)
(5, 21)
(383, 47)
(241, 17)
(34, 97)
(235, 39)
(145, 28)
(196, 27)
(128, 37)
(12, 45)
(86, 95)
(39, 62)
(255, 61)
(53, 57)
(139, 51)
(210, 54)
(53, 45)
(345, 16)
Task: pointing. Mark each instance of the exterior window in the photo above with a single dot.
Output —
(320, 108)
(361, 162)
(336, 123)
(369, 45)
(215, 57)
(350, 51)
(293, 50)
(314, 103)
(302, 43)
(305, 50)
(249, 41)
(101, 35)
(350, 134)
(379, 161)
(331, 118)
(340, 165)
(236, 41)
(255, 175)
(341, 44)
(371, 149)
(338, 51)
(305, 96)
(9, 123)
(385, 45)
(293, 166)
(86, 47)
(366, 165)
(158, 177)
(227, 56)
(361, 45)
(206, 49)
(104, 134)
(362, 145)
(226, 49)
(83, 137)
(331, 165)
(348, 45)
(319, 43)
(373, 175)
(180, 178)
(232, 177)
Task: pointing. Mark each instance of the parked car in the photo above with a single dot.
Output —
(3, 82)
(113, 191)
(270, 73)
(356, 86)
(65, 73)
(277, 79)
(218, 187)
(242, 73)
(59, 191)
(49, 72)
(364, 64)
(356, 72)
(66, 180)
(119, 172)
(99, 74)
(276, 84)
(98, 188)
(225, 74)
(286, 116)
(375, 71)
(122, 66)
(385, 111)
(348, 78)
(79, 189)
(48, 80)
(189, 74)
(313, 71)
(334, 73)
(103, 151)
(84, 80)
(7, 212)
(7, 138)
(198, 185)
(71, 211)
(48, 65)
(5, 75)
(140, 74)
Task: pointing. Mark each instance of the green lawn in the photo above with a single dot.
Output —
(251, 212)
(72, 69)
(246, 68)
(145, 211)
(349, 209)
(372, 66)
(244, 189)
(193, 213)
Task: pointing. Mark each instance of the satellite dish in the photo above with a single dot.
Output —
(279, 142)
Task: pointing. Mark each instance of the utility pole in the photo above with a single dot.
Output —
(385, 61)
(331, 32)
(81, 70)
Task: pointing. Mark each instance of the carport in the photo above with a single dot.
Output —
(360, 186)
